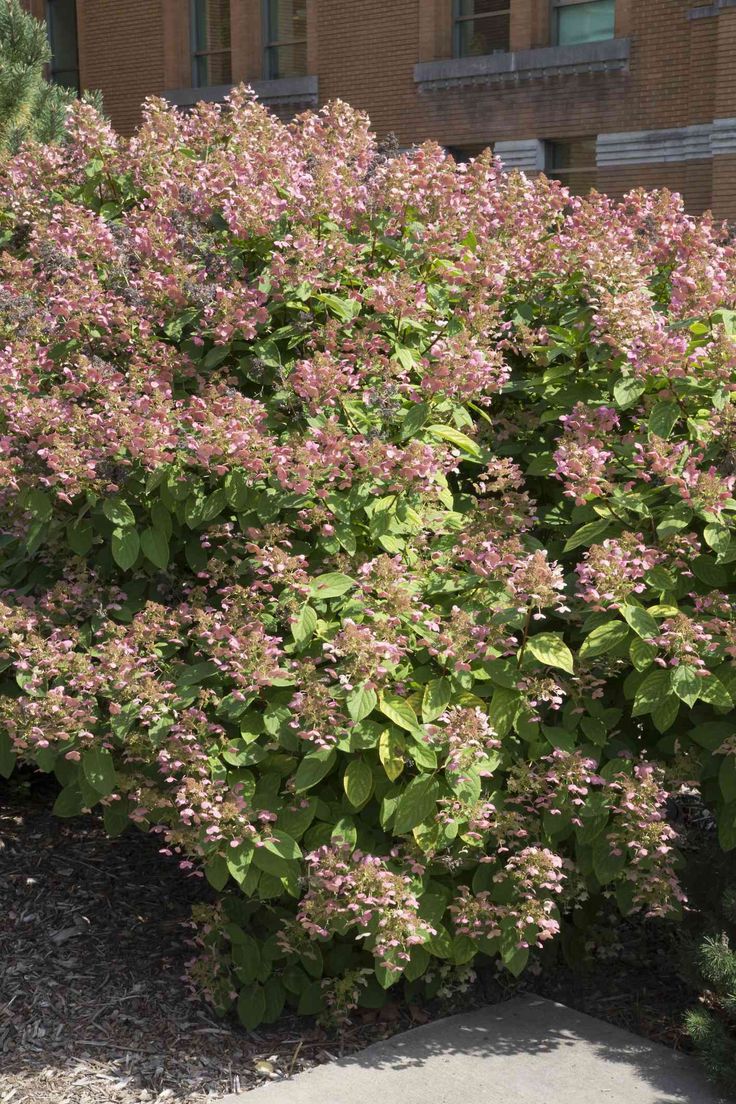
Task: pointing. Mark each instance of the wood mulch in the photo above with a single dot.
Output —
(94, 1008)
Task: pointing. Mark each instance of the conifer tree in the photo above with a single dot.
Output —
(30, 106)
(712, 1027)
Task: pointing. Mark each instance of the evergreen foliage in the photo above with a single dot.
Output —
(30, 106)
(712, 1026)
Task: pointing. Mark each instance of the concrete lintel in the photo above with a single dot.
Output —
(705, 11)
(296, 90)
(650, 147)
(610, 54)
(723, 135)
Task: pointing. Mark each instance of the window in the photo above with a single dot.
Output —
(576, 21)
(61, 23)
(572, 161)
(211, 58)
(286, 38)
(463, 154)
(481, 27)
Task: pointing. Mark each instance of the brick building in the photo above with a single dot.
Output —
(604, 93)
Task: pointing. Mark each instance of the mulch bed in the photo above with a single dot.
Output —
(94, 1009)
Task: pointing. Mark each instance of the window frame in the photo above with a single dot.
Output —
(556, 7)
(270, 45)
(458, 19)
(197, 54)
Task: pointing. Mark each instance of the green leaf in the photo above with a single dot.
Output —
(155, 547)
(358, 782)
(436, 698)
(455, 438)
(727, 828)
(7, 755)
(515, 960)
(686, 684)
(385, 977)
(238, 861)
(550, 649)
(116, 818)
(640, 621)
(708, 571)
(79, 537)
(283, 846)
(311, 1000)
(38, 503)
(718, 537)
(641, 653)
(715, 693)
(587, 534)
(118, 512)
(361, 703)
(201, 510)
(216, 872)
(305, 625)
(675, 520)
(504, 709)
(125, 547)
(653, 690)
(414, 420)
(416, 804)
(246, 954)
(604, 638)
(275, 999)
(727, 778)
(665, 713)
(346, 309)
(345, 833)
(99, 770)
(399, 711)
(627, 391)
(390, 752)
(663, 418)
(69, 802)
(215, 356)
(711, 734)
(251, 1006)
(606, 865)
(313, 768)
(332, 585)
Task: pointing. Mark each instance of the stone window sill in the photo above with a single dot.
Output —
(550, 61)
(291, 90)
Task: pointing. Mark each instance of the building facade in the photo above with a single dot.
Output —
(600, 93)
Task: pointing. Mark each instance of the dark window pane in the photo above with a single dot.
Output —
(211, 42)
(592, 21)
(573, 163)
(286, 38)
(463, 154)
(287, 61)
(482, 36)
(61, 21)
(287, 20)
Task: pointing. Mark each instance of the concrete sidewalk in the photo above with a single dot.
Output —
(526, 1051)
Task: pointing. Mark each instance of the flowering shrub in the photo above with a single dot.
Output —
(367, 533)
